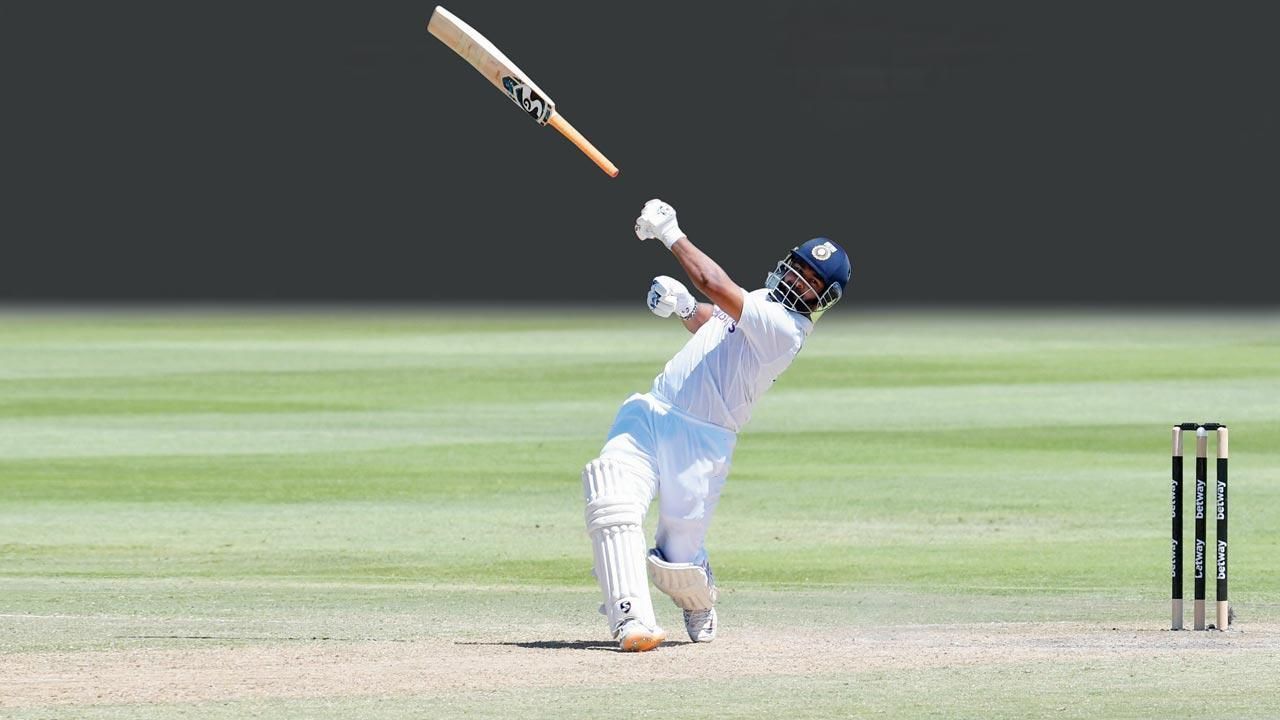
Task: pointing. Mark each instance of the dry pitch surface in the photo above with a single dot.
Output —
(871, 662)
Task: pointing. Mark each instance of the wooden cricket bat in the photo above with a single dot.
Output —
(489, 60)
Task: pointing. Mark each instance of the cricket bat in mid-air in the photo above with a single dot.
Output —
(508, 78)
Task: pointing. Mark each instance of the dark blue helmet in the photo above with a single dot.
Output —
(790, 287)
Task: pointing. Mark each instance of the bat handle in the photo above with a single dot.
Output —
(558, 122)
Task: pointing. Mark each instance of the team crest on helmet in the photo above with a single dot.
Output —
(823, 252)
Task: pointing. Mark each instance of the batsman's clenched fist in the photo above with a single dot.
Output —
(668, 295)
(658, 220)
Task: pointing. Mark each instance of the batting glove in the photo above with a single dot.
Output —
(668, 295)
(658, 220)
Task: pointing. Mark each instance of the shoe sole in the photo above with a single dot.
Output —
(641, 641)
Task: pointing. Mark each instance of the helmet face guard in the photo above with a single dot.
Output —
(788, 285)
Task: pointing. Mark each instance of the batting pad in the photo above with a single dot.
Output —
(687, 584)
(616, 505)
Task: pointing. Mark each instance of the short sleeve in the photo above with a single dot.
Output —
(768, 326)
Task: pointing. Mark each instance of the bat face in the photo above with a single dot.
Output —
(485, 57)
(528, 98)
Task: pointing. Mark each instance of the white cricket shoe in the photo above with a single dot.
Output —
(701, 624)
(634, 636)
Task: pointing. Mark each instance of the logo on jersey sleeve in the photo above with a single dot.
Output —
(724, 317)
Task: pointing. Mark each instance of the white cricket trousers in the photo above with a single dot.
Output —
(680, 460)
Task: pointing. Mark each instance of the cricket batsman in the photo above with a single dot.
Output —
(675, 442)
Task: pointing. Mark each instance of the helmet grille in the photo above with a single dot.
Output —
(788, 286)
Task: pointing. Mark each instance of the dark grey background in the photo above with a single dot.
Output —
(963, 152)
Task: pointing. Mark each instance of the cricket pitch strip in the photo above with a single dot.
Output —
(229, 670)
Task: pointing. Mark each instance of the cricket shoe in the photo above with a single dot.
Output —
(701, 624)
(634, 636)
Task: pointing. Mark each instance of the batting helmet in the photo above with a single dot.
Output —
(790, 287)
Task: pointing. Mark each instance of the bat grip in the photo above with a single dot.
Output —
(558, 122)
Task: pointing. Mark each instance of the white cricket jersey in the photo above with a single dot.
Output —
(726, 366)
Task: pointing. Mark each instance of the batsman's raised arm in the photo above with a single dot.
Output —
(658, 220)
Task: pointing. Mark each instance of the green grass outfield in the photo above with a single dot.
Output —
(378, 514)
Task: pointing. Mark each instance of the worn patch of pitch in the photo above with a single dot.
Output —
(343, 669)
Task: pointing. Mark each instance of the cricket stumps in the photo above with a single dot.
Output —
(1200, 548)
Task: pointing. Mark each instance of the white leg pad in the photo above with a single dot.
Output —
(689, 586)
(616, 505)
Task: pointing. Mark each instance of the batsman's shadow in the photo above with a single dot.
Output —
(609, 645)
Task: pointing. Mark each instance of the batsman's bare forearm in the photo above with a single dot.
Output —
(709, 278)
(701, 314)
